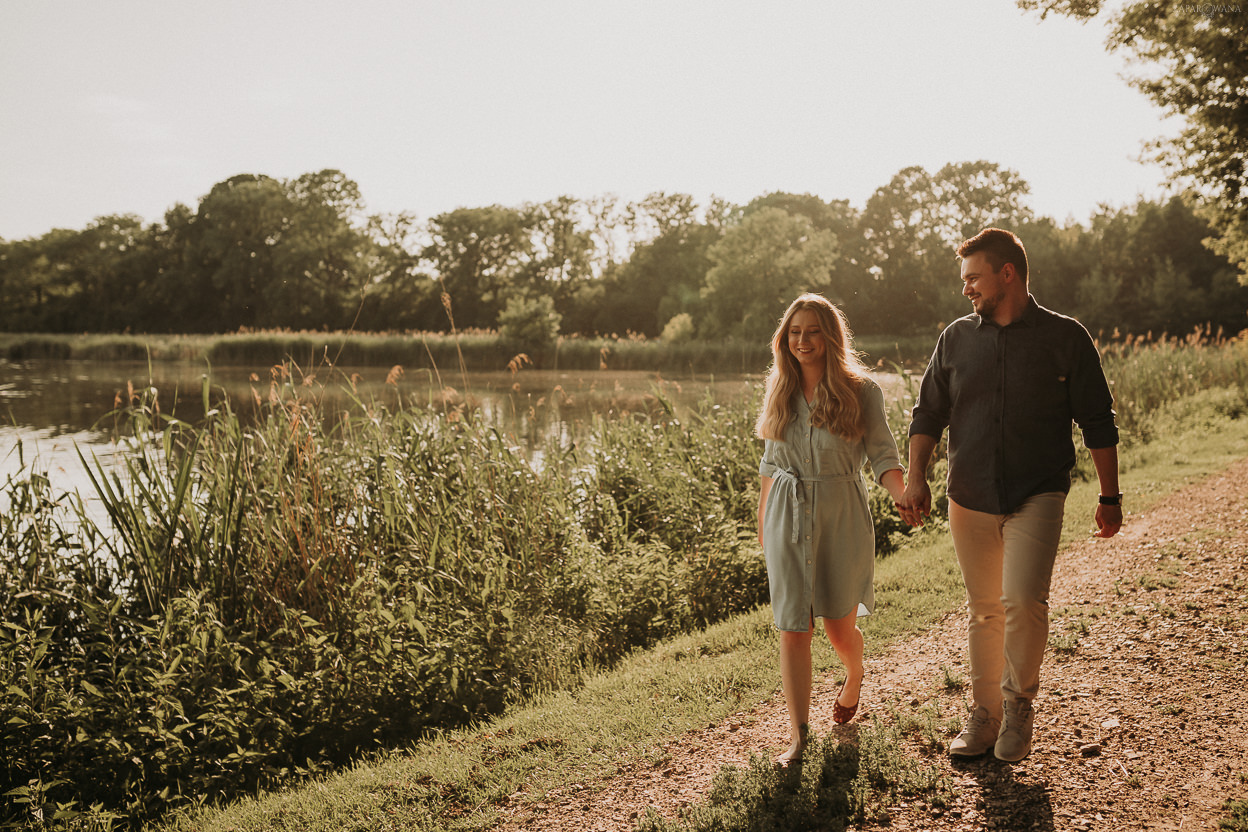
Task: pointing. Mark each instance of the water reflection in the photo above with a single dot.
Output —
(50, 409)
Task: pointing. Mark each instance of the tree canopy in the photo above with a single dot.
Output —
(1192, 61)
(260, 252)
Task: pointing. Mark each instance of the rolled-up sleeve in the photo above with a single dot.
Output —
(930, 415)
(767, 466)
(880, 445)
(1091, 402)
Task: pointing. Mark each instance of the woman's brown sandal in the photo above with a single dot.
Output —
(841, 713)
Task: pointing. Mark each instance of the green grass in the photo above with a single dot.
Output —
(1236, 818)
(459, 780)
(836, 783)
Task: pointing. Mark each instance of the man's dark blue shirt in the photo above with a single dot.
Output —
(1008, 396)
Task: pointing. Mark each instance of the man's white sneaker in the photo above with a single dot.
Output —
(978, 736)
(1015, 741)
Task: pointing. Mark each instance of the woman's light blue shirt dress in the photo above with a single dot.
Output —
(818, 537)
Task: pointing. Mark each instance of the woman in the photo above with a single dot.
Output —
(822, 419)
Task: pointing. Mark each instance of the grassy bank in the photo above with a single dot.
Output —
(479, 351)
(275, 602)
(461, 779)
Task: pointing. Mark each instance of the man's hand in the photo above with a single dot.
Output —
(916, 502)
(1108, 518)
(1108, 521)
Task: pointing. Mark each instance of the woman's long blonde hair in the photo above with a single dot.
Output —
(836, 405)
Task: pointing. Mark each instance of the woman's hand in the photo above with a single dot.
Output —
(894, 481)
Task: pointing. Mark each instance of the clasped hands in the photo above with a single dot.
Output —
(915, 503)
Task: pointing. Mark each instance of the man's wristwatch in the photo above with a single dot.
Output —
(1111, 500)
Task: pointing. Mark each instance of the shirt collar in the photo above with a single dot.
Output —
(1028, 318)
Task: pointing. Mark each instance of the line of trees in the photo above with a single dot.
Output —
(264, 253)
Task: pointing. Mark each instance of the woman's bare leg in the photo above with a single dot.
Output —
(795, 676)
(847, 641)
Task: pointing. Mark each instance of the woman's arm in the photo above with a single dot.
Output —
(764, 488)
(881, 446)
(894, 481)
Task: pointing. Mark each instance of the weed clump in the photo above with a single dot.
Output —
(836, 784)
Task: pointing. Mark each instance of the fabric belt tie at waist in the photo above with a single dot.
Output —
(788, 478)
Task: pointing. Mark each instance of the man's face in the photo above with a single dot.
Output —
(983, 286)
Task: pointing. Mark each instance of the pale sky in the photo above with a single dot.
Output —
(131, 106)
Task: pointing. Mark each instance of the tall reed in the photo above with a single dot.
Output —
(1146, 372)
(272, 599)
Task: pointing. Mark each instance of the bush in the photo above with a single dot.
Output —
(529, 324)
(679, 330)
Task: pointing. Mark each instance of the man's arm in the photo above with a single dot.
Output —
(1108, 518)
(917, 502)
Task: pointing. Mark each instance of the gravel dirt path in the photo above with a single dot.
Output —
(1140, 721)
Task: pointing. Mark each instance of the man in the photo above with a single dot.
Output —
(1008, 380)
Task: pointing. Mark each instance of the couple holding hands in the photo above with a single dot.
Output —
(1007, 381)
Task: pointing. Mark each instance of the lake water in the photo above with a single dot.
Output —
(49, 410)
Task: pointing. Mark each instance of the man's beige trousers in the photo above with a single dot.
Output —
(1007, 565)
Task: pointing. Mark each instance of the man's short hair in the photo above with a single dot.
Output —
(999, 247)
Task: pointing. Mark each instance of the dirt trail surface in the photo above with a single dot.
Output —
(1140, 723)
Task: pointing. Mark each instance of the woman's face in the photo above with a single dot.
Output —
(807, 341)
